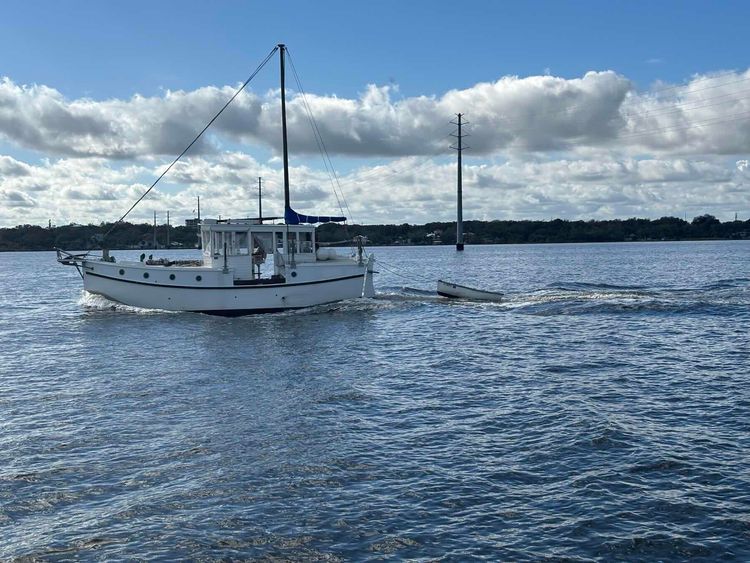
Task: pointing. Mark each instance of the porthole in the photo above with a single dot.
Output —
(145, 274)
(122, 272)
(198, 278)
(171, 276)
(294, 274)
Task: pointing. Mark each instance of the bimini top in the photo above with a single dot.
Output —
(291, 217)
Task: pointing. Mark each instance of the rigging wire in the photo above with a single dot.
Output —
(321, 144)
(198, 136)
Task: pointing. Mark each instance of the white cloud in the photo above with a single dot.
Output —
(584, 147)
(537, 113)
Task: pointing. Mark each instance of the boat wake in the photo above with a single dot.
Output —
(576, 298)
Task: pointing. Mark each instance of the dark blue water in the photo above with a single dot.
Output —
(601, 413)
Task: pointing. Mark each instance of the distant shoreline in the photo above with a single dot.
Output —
(128, 236)
(180, 249)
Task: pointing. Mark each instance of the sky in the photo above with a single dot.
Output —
(577, 110)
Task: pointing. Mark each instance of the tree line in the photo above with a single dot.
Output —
(129, 235)
(554, 231)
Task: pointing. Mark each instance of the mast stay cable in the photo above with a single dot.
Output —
(321, 144)
(198, 136)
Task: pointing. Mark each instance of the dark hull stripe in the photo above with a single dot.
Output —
(244, 312)
(234, 287)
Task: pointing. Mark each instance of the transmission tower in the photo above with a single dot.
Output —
(459, 148)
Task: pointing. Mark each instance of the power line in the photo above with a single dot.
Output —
(703, 79)
(726, 119)
(685, 107)
(570, 109)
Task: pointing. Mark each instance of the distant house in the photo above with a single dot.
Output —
(192, 222)
(435, 236)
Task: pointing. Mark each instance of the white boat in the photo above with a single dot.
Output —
(453, 290)
(228, 280)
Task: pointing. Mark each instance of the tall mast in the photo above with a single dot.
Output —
(282, 48)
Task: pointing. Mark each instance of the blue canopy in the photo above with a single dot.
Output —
(293, 218)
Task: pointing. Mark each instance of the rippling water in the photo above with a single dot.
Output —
(601, 412)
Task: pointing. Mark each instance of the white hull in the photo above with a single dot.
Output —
(348, 280)
(447, 289)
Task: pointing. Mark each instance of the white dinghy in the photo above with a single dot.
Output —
(228, 279)
(455, 291)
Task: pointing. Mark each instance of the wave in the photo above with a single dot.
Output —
(95, 302)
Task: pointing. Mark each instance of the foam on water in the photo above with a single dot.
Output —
(95, 302)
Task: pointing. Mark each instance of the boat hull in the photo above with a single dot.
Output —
(455, 291)
(230, 300)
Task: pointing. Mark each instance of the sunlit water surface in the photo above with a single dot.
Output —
(601, 412)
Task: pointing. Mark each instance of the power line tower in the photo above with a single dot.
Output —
(459, 148)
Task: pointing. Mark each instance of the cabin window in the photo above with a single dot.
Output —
(241, 246)
(305, 244)
(206, 240)
(279, 241)
(218, 243)
(262, 242)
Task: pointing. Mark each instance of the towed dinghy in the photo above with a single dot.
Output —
(455, 291)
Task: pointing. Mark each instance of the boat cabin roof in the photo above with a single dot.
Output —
(254, 225)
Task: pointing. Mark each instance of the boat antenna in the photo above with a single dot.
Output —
(282, 49)
(198, 136)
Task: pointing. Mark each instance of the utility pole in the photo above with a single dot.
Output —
(260, 202)
(154, 230)
(167, 228)
(199, 209)
(459, 148)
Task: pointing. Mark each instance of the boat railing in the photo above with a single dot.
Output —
(69, 258)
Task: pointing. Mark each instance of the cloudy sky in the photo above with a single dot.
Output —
(576, 110)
